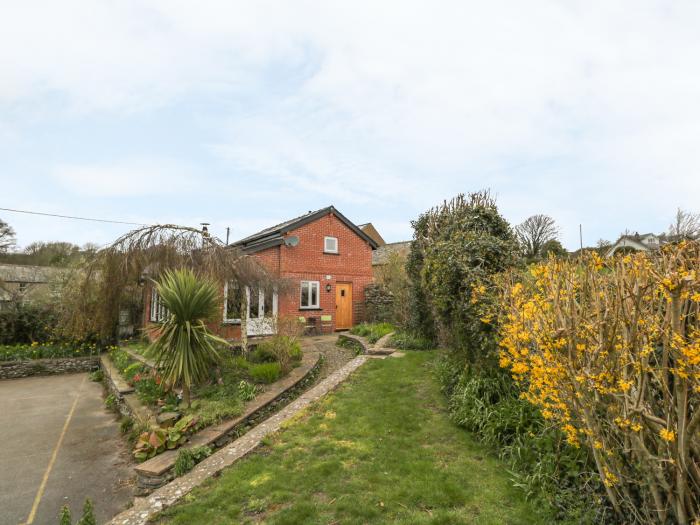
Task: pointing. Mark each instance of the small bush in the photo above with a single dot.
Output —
(88, 517)
(266, 372)
(148, 389)
(125, 425)
(407, 341)
(187, 458)
(281, 349)
(350, 344)
(64, 517)
(262, 354)
(111, 402)
(246, 391)
(97, 376)
(131, 371)
(373, 332)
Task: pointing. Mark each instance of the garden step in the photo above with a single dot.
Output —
(383, 341)
(121, 386)
(357, 339)
(138, 357)
(381, 351)
(160, 464)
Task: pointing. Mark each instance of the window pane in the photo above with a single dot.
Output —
(234, 300)
(268, 303)
(304, 294)
(254, 302)
(314, 294)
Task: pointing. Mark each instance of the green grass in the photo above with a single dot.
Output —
(380, 449)
(373, 332)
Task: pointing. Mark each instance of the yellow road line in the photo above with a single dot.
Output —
(45, 479)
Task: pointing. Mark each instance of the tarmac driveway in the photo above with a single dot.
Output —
(59, 445)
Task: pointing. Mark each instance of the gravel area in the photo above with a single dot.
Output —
(334, 357)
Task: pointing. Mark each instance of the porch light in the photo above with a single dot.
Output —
(328, 287)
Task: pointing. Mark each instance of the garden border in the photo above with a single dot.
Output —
(145, 508)
(158, 470)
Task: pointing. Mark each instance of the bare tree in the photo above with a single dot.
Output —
(7, 236)
(534, 233)
(686, 225)
(602, 244)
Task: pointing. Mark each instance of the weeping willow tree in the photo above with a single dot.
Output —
(114, 278)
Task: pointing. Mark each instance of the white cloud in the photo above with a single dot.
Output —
(585, 111)
(133, 178)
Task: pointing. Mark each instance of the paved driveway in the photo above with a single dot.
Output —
(58, 445)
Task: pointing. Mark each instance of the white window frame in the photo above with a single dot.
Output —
(232, 320)
(310, 284)
(325, 245)
(158, 311)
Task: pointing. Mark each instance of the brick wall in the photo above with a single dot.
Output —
(308, 262)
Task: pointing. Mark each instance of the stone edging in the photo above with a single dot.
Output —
(44, 367)
(379, 348)
(157, 471)
(167, 496)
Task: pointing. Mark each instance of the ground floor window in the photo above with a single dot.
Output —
(234, 295)
(310, 294)
(158, 311)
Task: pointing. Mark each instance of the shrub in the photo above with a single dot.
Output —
(187, 458)
(132, 370)
(246, 391)
(148, 389)
(111, 402)
(457, 250)
(350, 344)
(26, 322)
(373, 332)
(266, 372)
(157, 440)
(408, 341)
(486, 402)
(97, 376)
(88, 517)
(65, 517)
(125, 425)
(609, 351)
(281, 349)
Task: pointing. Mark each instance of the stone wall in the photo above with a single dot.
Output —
(45, 367)
(379, 303)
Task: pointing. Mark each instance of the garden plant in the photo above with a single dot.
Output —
(609, 350)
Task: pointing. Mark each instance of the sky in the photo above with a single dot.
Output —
(244, 114)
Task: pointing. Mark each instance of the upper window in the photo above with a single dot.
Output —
(234, 295)
(309, 294)
(330, 244)
(158, 310)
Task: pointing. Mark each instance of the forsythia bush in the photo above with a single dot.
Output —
(609, 350)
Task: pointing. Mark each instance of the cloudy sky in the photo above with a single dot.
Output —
(245, 114)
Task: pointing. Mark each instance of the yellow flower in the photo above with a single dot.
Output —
(667, 435)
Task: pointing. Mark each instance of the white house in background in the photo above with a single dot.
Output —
(641, 243)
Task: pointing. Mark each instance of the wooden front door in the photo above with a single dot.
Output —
(343, 306)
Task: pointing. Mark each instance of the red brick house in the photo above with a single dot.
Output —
(325, 258)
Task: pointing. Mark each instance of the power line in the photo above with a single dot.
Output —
(72, 217)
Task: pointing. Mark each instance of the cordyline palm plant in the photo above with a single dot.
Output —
(184, 349)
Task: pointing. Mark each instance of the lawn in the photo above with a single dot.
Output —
(381, 449)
